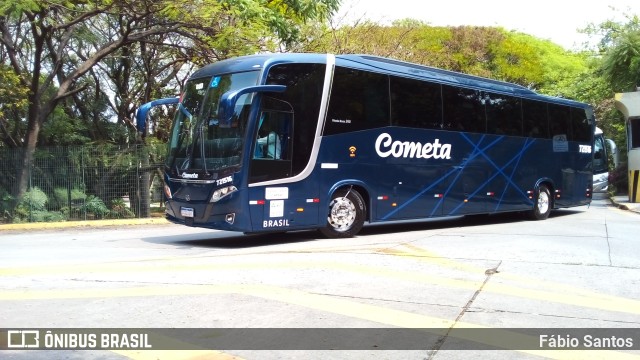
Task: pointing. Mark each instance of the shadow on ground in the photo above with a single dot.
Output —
(231, 240)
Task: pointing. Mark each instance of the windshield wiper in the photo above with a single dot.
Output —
(185, 134)
(202, 147)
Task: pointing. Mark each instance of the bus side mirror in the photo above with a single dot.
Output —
(613, 150)
(228, 100)
(143, 110)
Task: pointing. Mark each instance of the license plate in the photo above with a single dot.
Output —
(186, 212)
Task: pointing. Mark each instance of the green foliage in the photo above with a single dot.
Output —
(63, 195)
(32, 208)
(516, 60)
(63, 130)
(621, 65)
(239, 27)
(13, 102)
(12, 92)
(119, 210)
(484, 51)
(614, 68)
(18, 7)
(46, 216)
(6, 205)
(33, 199)
(80, 182)
(619, 179)
(96, 206)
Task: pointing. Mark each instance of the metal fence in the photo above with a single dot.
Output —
(83, 183)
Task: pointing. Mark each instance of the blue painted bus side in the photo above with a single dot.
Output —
(485, 173)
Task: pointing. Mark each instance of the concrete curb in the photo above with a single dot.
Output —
(78, 224)
(613, 201)
(623, 206)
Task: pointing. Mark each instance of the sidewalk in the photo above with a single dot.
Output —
(78, 224)
(622, 202)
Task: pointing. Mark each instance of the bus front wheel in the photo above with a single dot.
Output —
(346, 214)
(543, 204)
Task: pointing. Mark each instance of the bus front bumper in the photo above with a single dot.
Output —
(206, 215)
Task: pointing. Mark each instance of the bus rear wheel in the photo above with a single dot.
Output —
(543, 204)
(346, 214)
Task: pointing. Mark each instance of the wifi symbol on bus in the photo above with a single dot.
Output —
(352, 150)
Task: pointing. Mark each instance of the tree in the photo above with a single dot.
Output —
(621, 63)
(616, 68)
(12, 101)
(484, 51)
(38, 38)
(619, 47)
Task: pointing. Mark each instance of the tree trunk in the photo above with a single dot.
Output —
(26, 160)
(145, 183)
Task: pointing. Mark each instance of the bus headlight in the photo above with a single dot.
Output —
(167, 192)
(222, 192)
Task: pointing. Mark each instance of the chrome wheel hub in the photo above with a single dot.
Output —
(543, 202)
(342, 214)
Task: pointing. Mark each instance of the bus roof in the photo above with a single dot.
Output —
(383, 65)
(440, 75)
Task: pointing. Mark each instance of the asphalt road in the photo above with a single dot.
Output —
(577, 269)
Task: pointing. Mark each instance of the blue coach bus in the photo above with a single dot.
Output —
(281, 142)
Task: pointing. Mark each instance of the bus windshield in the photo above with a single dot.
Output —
(599, 155)
(197, 143)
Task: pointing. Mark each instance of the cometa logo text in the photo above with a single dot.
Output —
(189, 176)
(385, 147)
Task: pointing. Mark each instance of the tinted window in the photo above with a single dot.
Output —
(416, 103)
(359, 101)
(599, 156)
(633, 134)
(304, 93)
(504, 114)
(534, 119)
(463, 109)
(560, 120)
(580, 124)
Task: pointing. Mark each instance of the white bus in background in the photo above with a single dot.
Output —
(602, 148)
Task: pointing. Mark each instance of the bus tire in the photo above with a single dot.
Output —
(543, 204)
(346, 214)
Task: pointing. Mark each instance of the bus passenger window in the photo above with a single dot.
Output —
(415, 103)
(534, 119)
(559, 121)
(581, 125)
(504, 114)
(359, 101)
(463, 109)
